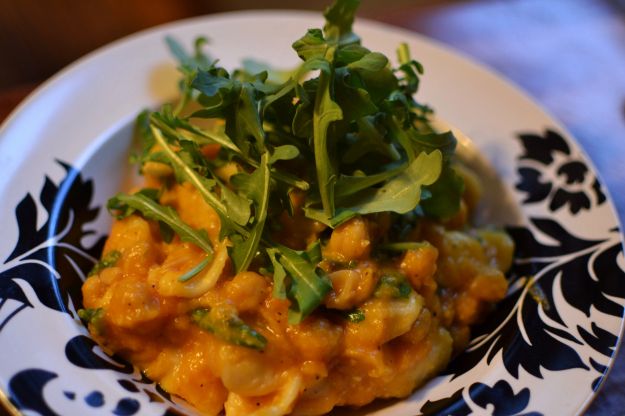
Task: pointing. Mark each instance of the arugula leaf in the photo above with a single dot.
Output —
(446, 194)
(181, 129)
(380, 84)
(123, 205)
(142, 137)
(237, 102)
(234, 215)
(313, 252)
(403, 246)
(238, 206)
(339, 19)
(224, 323)
(217, 95)
(279, 274)
(311, 46)
(301, 126)
(402, 192)
(108, 260)
(211, 84)
(401, 136)
(319, 54)
(445, 142)
(199, 60)
(189, 65)
(369, 140)
(177, 50)
(284, 152)
(347, 54)
(254, 66)
(340, 217)
(256, 188)
(325, 112)
(309, 284)
(354, 101)
(285, 91)
(373, 62)
(411, 69)
(247, 121)
(349, 185)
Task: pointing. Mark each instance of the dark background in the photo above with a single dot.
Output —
(39, 37)
(569, 55)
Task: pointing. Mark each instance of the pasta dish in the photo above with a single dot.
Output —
(303, 239)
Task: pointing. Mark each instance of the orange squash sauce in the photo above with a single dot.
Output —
(454, 278)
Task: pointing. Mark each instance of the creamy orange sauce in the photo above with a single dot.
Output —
(454, 278)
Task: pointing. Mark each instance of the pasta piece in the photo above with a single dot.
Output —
(349, 241)
(166, 277)
(351, 287)
(278, 404)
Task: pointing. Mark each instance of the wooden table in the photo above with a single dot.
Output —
(569, 55)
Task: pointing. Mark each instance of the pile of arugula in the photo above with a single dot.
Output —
(346, 121)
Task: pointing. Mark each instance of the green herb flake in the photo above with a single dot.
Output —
(94, 317)
(110, 259)
(393, 285)
(355, 316)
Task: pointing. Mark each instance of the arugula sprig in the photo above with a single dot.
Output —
(235, 214)
(307, 283)
(344, 129)
(145, 202)
(257, 188)
(189, 65)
